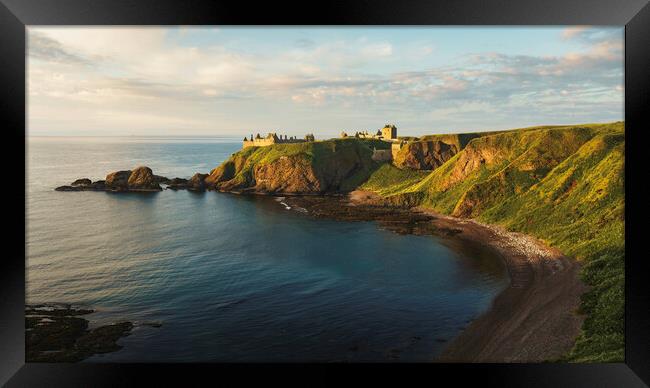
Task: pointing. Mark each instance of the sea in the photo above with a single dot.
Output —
(217, 277)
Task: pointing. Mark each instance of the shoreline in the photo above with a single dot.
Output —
(534, 319)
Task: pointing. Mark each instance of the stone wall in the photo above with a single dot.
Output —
(395, 147)
(259, 143)
(270, 141)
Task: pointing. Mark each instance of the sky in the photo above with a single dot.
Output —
(234, 81)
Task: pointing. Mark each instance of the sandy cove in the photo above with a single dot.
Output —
(534, 319)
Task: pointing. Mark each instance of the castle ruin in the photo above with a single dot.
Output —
(387, 133)
(273, 138)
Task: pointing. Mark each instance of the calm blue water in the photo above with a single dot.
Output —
(236, 278)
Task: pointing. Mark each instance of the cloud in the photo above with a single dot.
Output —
(573, 31)
(590, 35)
(44, 48)
(538, 88)
(105, 75)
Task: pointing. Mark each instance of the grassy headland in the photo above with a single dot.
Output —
(561, 184)
(337, 165)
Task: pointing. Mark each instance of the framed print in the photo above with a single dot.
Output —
(213, 188)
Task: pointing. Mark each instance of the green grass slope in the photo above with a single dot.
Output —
(562, 184)
(388, 180)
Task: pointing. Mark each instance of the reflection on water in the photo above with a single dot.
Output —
(237, 278)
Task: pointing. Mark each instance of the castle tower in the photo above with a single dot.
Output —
(389, 132)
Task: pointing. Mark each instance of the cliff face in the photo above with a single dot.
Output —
(338, 165)
(424, 155)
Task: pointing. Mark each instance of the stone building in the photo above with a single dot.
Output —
(387, 133)
(273, 138)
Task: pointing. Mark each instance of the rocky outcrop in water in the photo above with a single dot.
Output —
(197, 182)
(84, 185)
(138, 179)
(177, 184)
(57, 333)
(142, 178)
(161, 179)
(81, 182)
(118, 180)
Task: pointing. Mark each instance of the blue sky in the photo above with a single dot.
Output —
(225, 81)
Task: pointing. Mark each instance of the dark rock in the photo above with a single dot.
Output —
(161, 179)
(102, 339)
(177, 184)
(178, 181)
(69, 188)
(82, 182)
(197, 182)
(93, 186)
(55, 333)
(98, 186)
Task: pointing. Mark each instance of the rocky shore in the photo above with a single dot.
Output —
(535, 319)
(58, 333)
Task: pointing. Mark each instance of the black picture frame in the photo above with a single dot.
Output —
(15, 15)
